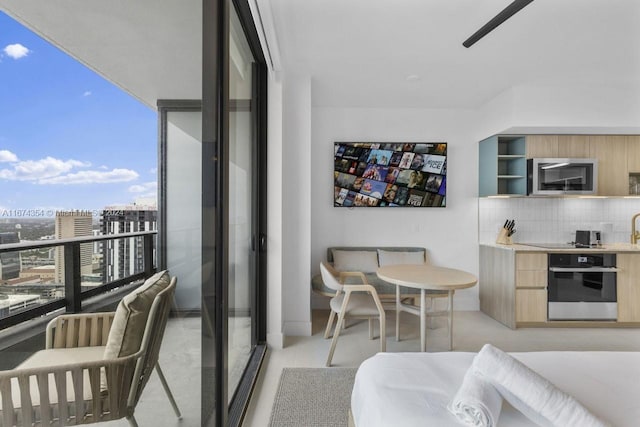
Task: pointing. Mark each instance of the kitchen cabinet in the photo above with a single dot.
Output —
(611, 152)
(628, 281)
(633, 153)
(531, 305)
(531, 287)
(573, 146)
(502, 166)
(513, 286)
(569, 146)
(542, 146)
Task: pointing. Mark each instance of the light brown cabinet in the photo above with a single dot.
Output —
(573, 146)
(541, 146)
(531, 305)
(513, 289)
(611, 152)
(531, 287)
(628, 281)
(633, 153)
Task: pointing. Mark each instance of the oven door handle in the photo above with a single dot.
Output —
(584, 270)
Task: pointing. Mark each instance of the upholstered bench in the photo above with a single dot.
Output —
(367, 259)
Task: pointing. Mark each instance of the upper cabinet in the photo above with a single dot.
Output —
(611, 152)
(503, 168)
(573, 146)
(542, 146)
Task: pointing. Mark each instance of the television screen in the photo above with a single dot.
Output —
(390, 174)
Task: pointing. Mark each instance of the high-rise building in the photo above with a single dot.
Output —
(124, 257)
(10, 262)
(71, 224)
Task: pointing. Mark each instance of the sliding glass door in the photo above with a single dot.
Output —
(233, 210)
(242, 211)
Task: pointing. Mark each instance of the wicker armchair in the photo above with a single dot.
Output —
(72, 382)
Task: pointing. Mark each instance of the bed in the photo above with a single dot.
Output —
(413, 389)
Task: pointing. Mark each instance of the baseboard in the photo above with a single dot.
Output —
(297, 329)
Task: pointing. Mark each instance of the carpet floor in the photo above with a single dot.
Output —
(313, 397)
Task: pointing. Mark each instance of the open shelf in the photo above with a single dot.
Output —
(503, 166)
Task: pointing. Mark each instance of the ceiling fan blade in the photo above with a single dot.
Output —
(506, 13)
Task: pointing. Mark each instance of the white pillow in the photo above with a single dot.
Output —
(364, 261)
(393, 257)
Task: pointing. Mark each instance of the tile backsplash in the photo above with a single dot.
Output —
(555, 220)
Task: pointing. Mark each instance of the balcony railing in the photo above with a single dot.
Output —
(73, 294)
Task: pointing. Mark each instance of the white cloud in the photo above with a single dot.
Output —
(7, 156)
(35, 170)
(87, 93)
(55, 171)
(16, 51)
(92, 177)
(147, 187)
(153, 171)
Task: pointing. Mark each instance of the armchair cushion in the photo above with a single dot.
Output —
(125, 335)
(365, 261)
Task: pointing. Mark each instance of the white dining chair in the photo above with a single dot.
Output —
(359, 300)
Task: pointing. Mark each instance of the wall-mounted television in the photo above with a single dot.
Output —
(392, 174)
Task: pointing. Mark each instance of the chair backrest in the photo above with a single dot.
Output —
(151, 340)
(329, 279)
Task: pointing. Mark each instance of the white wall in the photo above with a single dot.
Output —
(450, 234)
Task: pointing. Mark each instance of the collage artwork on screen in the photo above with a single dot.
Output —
(390, 174)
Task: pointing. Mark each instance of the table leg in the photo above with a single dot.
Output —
(423, 320)
(397, 313)
(451, 320)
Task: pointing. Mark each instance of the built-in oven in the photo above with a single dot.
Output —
(582, 286)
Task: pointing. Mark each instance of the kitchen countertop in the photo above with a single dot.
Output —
(608, 247)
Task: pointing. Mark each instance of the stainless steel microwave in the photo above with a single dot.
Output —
(552, 176)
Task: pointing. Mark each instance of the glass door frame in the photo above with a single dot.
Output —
(215, 215)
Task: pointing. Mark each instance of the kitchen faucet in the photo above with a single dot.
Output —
(635, 235)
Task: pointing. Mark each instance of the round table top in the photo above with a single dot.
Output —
(424, 276)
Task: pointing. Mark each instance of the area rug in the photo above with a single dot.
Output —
(313, 397)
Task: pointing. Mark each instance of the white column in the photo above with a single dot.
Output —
(296, 205)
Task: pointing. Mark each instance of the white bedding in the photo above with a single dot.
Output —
(413, 389)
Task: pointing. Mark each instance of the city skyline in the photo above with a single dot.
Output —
(69, 139)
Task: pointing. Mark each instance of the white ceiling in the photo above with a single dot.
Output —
(358, 52)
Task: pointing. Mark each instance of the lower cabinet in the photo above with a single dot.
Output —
(531, 287)
(531, 305)
(628, 281)
(513, 288)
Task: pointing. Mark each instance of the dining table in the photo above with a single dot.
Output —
(431, 280)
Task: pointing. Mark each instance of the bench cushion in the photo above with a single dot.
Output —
(397, 257)
(365, 261)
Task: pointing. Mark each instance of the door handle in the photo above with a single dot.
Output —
(262, 242)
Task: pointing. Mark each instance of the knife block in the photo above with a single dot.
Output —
(503, 237)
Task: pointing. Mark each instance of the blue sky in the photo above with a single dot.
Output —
(69, 139)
